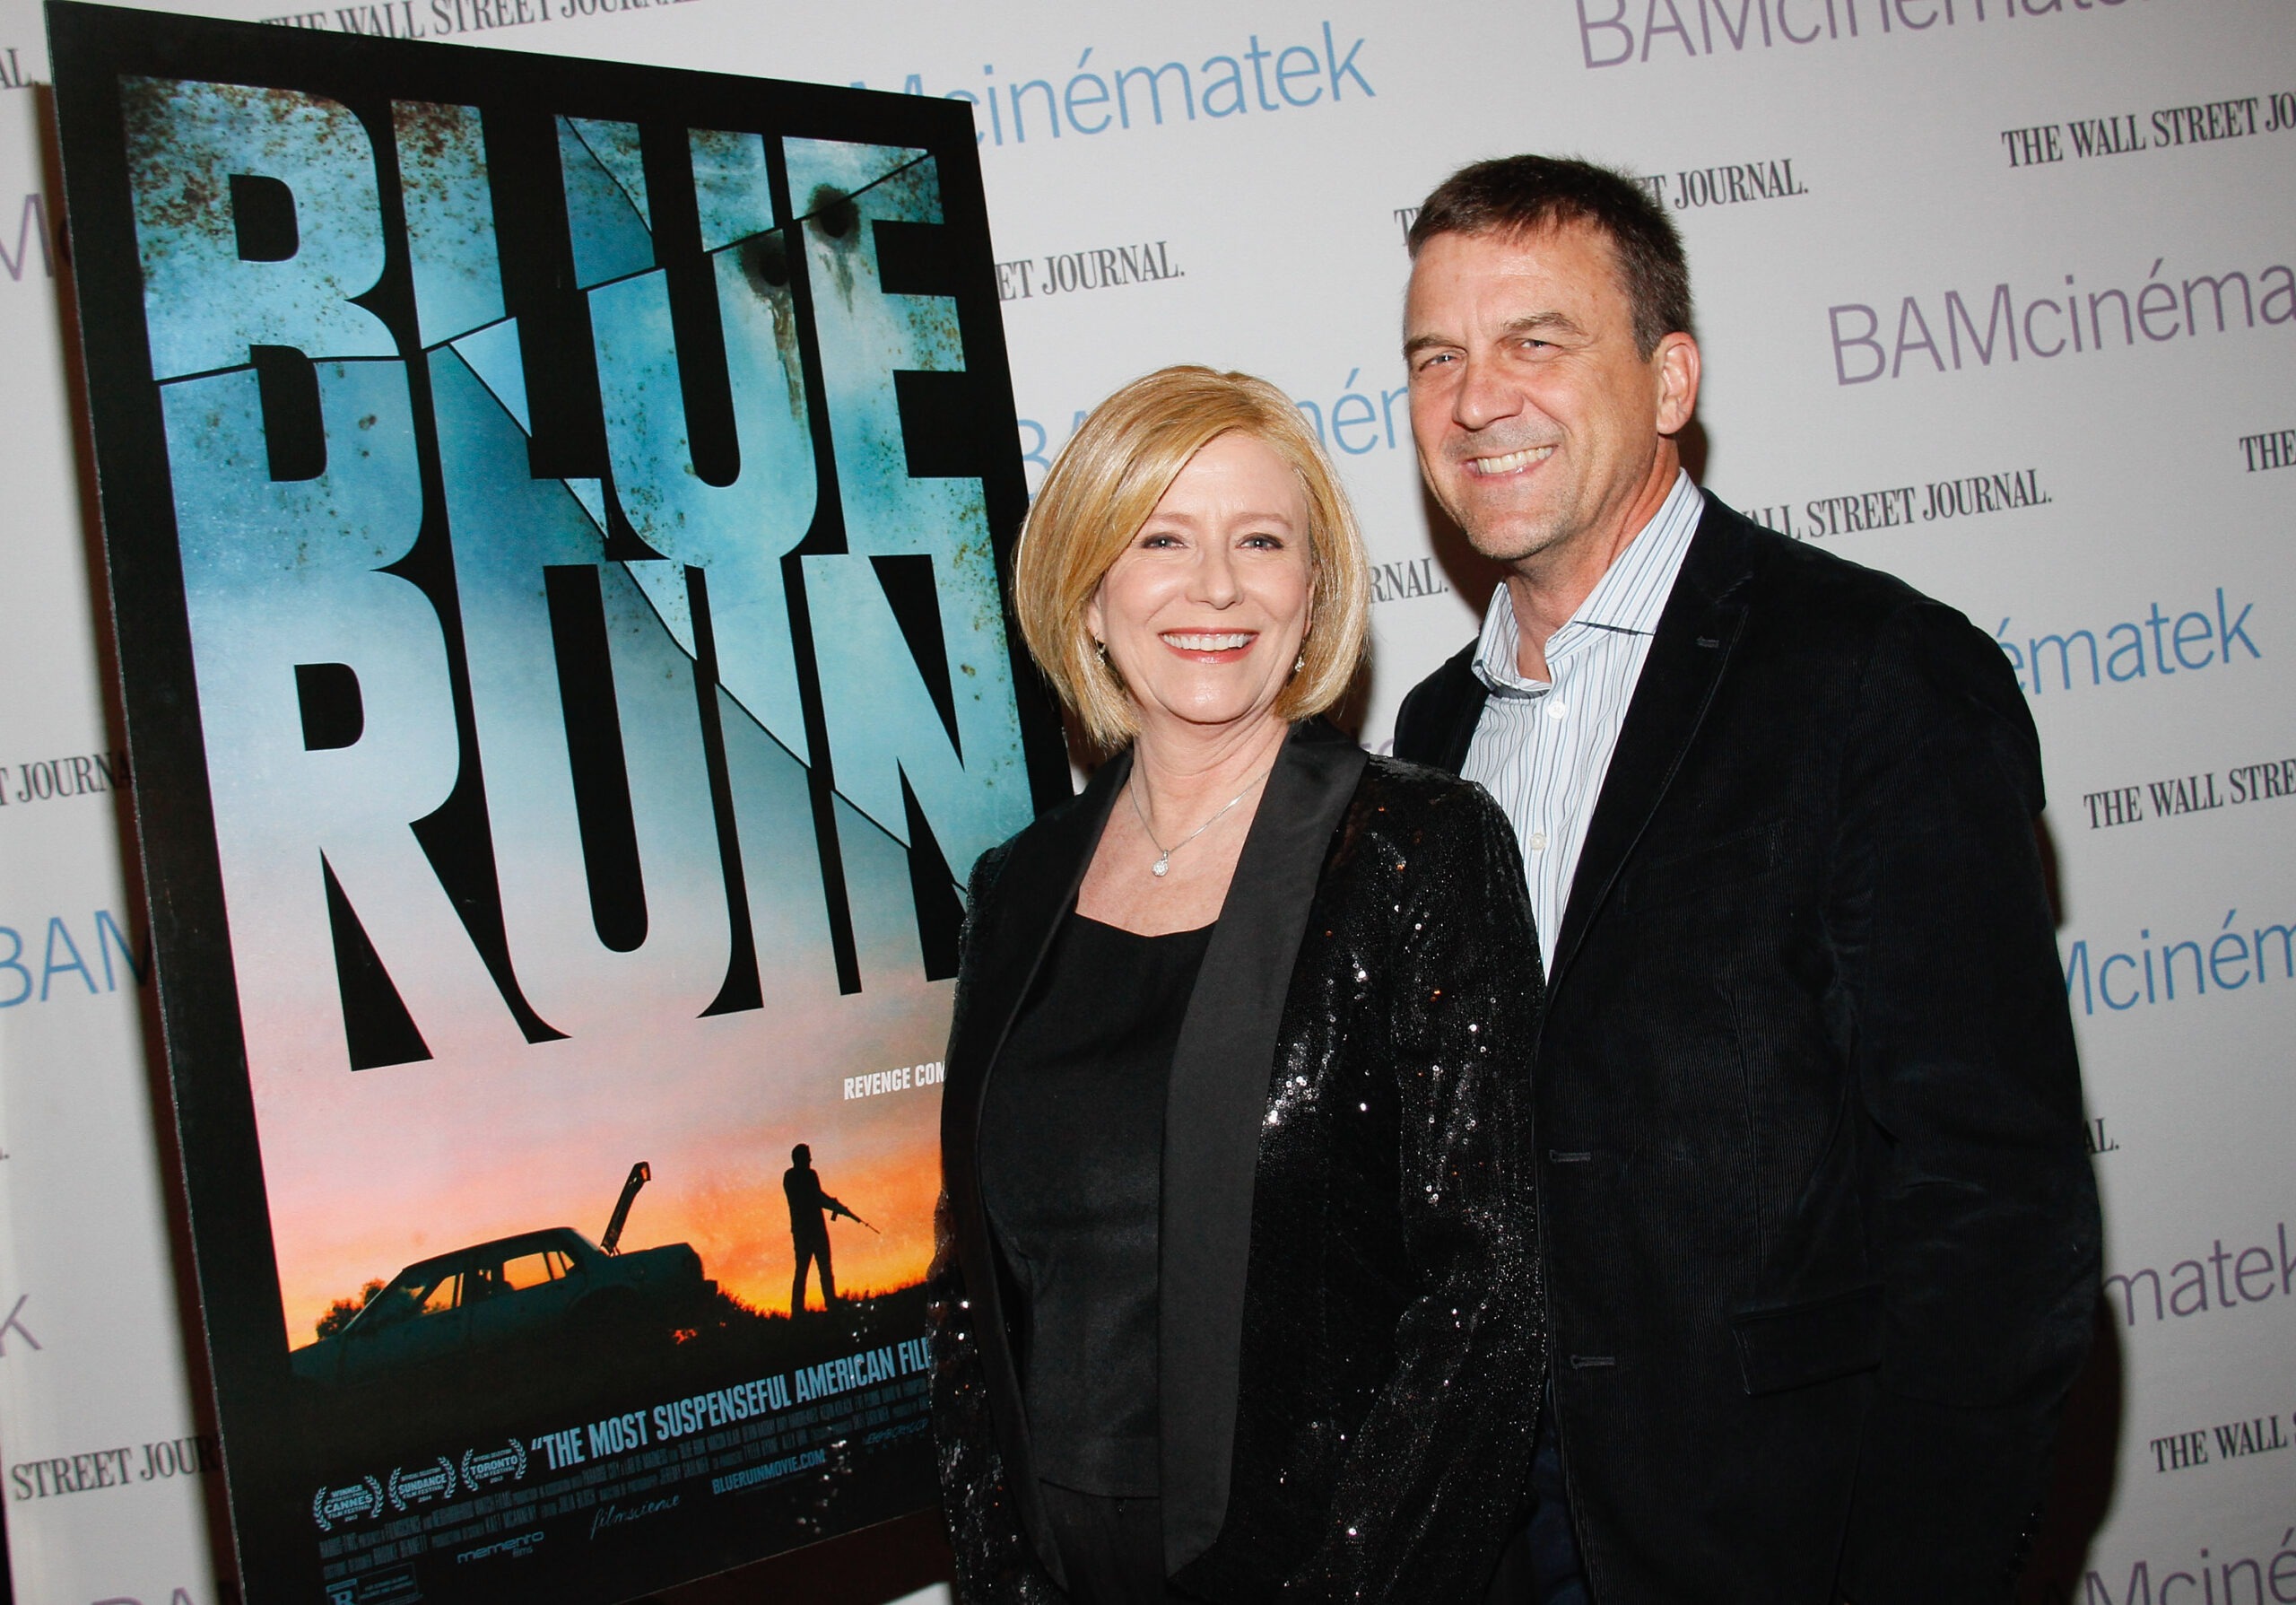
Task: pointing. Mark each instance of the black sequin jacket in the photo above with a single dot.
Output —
(1352, 1325)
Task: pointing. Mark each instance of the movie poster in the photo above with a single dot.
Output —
(554, 513)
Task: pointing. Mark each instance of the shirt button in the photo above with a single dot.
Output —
(1538, 840)
(1557, 708)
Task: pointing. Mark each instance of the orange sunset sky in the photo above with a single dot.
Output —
(368, 1171)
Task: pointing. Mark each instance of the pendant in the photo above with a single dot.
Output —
(1162, 867)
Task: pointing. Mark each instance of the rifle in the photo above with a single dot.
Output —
(641, 1173)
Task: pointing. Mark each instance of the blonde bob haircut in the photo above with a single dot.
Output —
(1106, 482)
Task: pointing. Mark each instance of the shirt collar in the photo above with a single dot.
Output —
(1627, 599)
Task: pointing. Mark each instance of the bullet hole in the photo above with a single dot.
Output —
(765, 262)
(833, 212)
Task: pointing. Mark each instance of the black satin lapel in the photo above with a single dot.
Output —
(1472, 695)
(1437, 723)
(1212, 1123)
(1038, 889)
(1688, 654)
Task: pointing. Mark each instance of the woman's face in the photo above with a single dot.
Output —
(1204, 610)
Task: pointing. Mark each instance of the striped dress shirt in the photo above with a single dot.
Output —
(1543, 746)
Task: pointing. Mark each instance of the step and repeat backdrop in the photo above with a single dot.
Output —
(1999, 295)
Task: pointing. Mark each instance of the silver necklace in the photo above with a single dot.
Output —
(1163, 864)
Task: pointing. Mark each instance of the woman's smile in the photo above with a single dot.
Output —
(1205, 646)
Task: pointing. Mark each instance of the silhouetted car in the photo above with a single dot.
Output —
(556, 1285)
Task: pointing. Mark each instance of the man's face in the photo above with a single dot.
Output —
(1537, 418)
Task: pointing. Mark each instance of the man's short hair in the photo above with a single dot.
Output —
(1519, 195)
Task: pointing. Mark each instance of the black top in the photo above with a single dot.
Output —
(1071, 1142)
(1349, 1295)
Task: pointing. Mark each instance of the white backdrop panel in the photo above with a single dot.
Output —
(1899, 212)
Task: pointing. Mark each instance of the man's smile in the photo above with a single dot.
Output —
(1512, 462)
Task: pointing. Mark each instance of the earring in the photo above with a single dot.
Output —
(1300, 663)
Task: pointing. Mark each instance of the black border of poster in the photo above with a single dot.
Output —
(92, 47)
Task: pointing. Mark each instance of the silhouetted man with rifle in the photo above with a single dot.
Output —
(809, 1227)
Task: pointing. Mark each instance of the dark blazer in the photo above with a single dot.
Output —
(1350, 1327)
(1820, 1229)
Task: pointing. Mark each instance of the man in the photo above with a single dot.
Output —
(1820, 1234)
(801, 1184)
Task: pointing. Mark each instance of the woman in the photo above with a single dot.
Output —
(1236, 1296)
